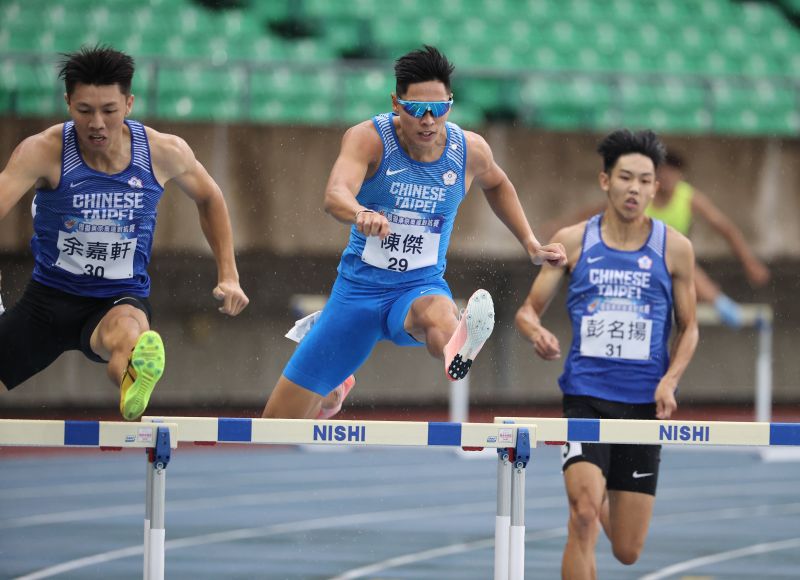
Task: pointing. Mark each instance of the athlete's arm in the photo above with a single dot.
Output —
(528, 318)
(35, 161)
(174, 161)
(680, 262)
(755, 270)
(361, 151)
(504, 201)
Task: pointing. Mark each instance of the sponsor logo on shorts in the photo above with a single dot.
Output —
(637, 475)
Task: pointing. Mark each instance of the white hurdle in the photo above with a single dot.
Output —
(158, 440)
(510, 543)
(513, 437)
(509, 439)
(758, 316)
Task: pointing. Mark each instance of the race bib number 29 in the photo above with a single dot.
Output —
(616, 335)
(412, 243)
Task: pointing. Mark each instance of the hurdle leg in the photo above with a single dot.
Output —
(148, 513)
(764, 369)
(516, 551)
(155, 499)
(503, 518)
(156, 533)
(516, 545)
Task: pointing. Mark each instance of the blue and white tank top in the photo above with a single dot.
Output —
(420, 200)
(620, 305)
(94, 232)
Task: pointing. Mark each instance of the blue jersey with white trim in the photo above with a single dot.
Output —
(620, 305)
(94, 232)
(420, 200)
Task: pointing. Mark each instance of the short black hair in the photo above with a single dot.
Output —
(418, 66)
(672, 159)
(98, 65)
(624, 141)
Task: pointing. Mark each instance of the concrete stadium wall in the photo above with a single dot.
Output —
(273, 178)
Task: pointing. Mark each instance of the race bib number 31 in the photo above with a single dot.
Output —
(412, 243)
(100, 254)
(616, 335)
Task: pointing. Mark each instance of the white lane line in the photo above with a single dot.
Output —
(441, 552)
(239, 500)
(266, 531)
(754, 550)
(453, 549)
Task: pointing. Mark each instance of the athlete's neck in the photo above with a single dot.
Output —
(425, 153)
(114, 158)
(624, 234)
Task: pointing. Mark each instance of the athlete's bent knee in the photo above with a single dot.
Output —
(627, 555)
(584, 514)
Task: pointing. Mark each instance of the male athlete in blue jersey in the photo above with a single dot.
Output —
(398, 181)
(98, 180)
(628, 274)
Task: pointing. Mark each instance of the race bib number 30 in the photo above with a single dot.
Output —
(100, 254)
(412, 243)
(616, 335)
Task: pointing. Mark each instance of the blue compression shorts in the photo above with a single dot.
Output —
(354, 319)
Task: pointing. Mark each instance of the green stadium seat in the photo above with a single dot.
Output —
(755, 121)
(39, 104)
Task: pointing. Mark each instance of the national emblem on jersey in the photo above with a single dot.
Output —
(449, 178)
(645, 263)
(135, 182)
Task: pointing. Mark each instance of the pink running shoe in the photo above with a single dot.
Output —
(474, 329)
(337, 396)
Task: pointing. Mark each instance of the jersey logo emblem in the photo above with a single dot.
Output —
(394, 171)
(645, 263)
(77, 183)
(594, 259)
(450, 177)
(135, 182)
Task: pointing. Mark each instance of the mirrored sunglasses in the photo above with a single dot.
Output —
(419, 108)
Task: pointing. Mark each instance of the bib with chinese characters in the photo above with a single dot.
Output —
(99, 248)
(412, 243)
(616, 332)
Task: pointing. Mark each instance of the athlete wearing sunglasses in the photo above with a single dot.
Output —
(398, 182)
(419, 108)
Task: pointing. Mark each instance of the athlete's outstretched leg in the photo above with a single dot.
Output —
(291, 401)
(474, 329)
(135, 356)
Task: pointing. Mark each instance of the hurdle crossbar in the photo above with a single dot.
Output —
(510, 531)
(507, 439)
(313, 432)
(655, 432)
(100, 434)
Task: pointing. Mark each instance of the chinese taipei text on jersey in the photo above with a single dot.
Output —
(420, 200)
(620, 305)
(94, 232)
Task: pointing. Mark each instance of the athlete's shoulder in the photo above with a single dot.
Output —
(679, 248)
(171, 155)
(572, 239)
(363, 139)
(41, 149)
(479, 153)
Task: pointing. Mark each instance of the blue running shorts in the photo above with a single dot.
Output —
(354, 319)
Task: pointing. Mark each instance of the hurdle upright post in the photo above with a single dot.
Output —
(764, 365)
(155, 499)
(502, 526)
(516, 552)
